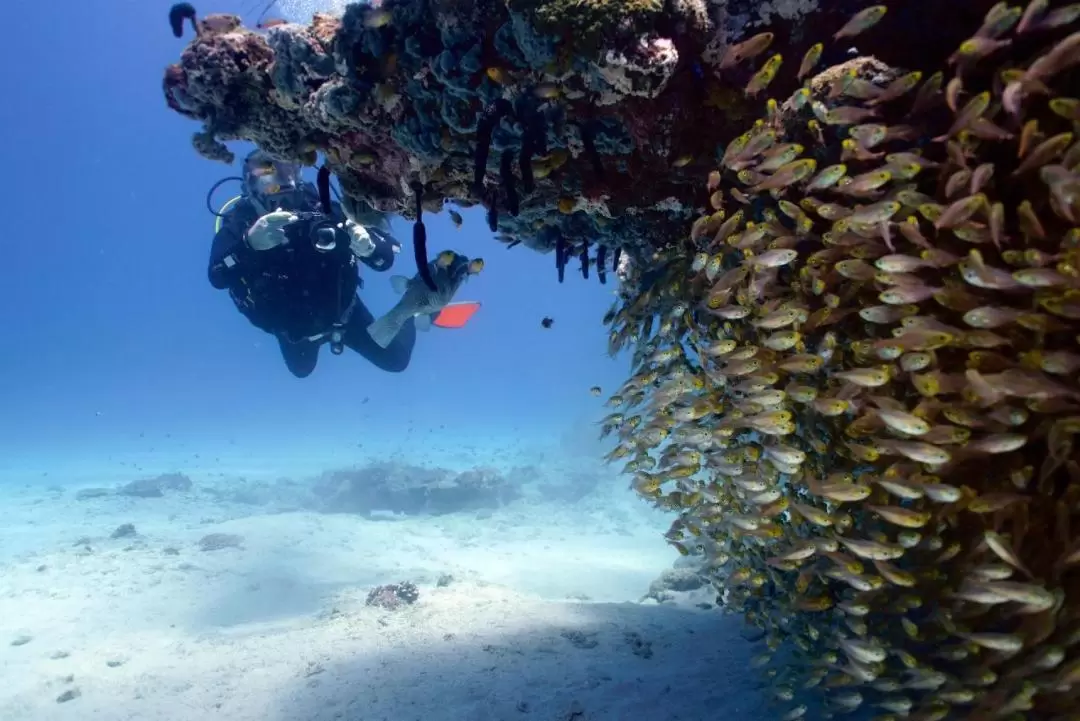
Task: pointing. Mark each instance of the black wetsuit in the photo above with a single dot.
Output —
(297, 293)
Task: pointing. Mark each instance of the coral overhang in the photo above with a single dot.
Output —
(612, 111)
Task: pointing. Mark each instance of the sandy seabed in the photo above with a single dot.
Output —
(529, 613)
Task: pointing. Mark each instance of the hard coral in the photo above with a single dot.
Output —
(589, 25)
(592, 121)
(393, 596)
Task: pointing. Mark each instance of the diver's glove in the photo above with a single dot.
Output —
(360, 242)
(269, 231)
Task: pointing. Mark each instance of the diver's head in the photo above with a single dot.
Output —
(265, 178)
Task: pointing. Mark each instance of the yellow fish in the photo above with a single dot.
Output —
(764, 76)
(378, 18)
(861, 21)
(810, 60)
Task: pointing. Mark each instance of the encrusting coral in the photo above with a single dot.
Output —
(583, 126)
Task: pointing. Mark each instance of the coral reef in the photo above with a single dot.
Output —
(393, 596)
(584, 126)
(412, 490)
(156, 486)
(677, 583)
(152, 487)
(856, 380)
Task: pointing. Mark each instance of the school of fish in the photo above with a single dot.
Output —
(857, 381)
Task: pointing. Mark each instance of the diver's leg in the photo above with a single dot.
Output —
(299, 357)
(395, 357)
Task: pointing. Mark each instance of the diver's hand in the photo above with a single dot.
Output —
(360, 242)
(269, 230)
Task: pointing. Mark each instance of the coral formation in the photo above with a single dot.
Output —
(583, 126)
(393, 596)
(152, 487)
(156, 486)
(413, 490)
(686, 584)
(856, 380)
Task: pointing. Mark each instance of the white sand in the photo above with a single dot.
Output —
(539, 622)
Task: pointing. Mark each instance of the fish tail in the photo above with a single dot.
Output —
(385, 329)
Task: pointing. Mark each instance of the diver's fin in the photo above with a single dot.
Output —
(456, 315)
(423, 322)
(399, 283)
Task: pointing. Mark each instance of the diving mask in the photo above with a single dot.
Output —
(271, 181)
(265, 177)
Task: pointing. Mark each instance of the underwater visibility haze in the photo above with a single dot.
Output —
(119, 347)
(751, 390)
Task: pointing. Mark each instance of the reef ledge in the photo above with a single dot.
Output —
(580, 124)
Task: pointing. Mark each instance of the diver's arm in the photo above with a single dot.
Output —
(385, 250)
(228, 253)
(376, 224)
(371, 244)
(237, 248)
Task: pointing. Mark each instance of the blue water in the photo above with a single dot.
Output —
(119, 361)
(114, 343)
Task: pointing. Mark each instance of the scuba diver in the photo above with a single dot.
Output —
(288, 256)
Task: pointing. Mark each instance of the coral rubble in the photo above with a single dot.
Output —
(583, 126)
